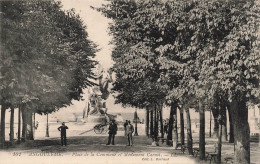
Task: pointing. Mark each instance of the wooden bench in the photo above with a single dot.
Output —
(212, 156)
(229, 159)
(165, 140)
(183, 147)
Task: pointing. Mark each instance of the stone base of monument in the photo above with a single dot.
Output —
(96, 119)
(154, 143)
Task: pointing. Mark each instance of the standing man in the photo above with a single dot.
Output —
(112, 132)
(62, 130)
(129, 132)
(125, 124)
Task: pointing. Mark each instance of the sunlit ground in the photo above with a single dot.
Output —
(82, 140)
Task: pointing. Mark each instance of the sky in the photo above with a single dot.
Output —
(97, 27)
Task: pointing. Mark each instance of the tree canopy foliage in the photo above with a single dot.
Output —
(184, 48)
(46, 57)
(204, 51)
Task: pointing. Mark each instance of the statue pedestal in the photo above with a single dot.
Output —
(96, 119)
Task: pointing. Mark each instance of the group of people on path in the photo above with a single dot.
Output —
(128, 127)
(112, 131)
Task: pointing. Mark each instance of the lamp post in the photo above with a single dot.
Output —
(135, 118)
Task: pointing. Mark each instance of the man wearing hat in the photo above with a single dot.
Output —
(112, 132)
(125, 124)
(62, 130)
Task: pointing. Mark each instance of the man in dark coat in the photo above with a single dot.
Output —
(62, 130)
(112, 132)
(125, 124)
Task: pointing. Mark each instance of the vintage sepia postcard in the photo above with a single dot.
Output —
(129, 81)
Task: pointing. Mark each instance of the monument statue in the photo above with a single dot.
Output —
(95, 109)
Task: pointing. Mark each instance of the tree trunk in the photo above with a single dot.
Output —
(175, 129)
(219, 144)
(189, 132)
(12, 125)
(241, 129)
(231, 129)
(222, 122)
(24, 127)
(202, 132)
(3, 109)
(155, 124)
(151, 123)
(33, 127)
(182, 126)
(29, 115)
(224, 125)
(161, 121)
(215, 114)
(147, 122)
(136, 119)
(47, 127)
(169, 136)
(27, 131)
(19, 124)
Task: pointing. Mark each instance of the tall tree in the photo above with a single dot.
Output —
(222, 38)
(46, 58)
(195, 47)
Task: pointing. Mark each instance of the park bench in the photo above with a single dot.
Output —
(164, 140)
(212, 155)
(229, 160)
(196, 151)
(183, 147)
(7, 144)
